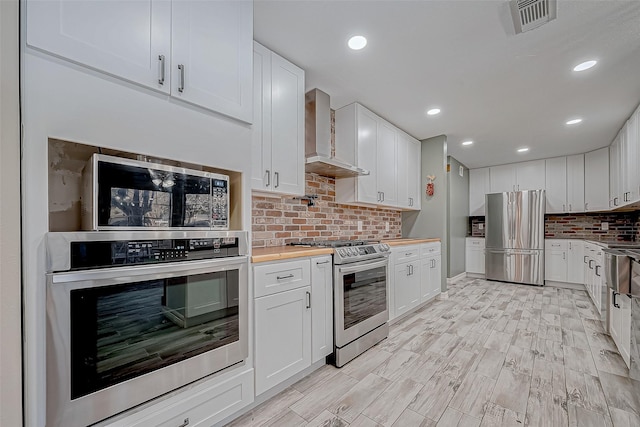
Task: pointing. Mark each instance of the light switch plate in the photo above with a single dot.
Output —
(604, 226)
(359, 225)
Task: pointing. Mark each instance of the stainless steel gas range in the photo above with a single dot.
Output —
(360, 303)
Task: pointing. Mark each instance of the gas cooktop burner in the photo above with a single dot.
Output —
(334, 243)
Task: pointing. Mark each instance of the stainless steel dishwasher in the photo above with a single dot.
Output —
(617, 274)
(634, 293)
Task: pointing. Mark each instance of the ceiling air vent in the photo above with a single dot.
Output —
(530, 14)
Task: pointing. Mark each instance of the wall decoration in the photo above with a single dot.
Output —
(430, 186)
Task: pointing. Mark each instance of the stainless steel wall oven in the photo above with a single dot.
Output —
(133, 315)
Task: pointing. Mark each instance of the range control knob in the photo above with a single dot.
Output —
(342, 252)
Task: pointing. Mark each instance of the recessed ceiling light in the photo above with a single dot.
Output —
(357, 42)
(433, 111)
(585, 65)
(467, 143)
(523, 150)
(574, 121)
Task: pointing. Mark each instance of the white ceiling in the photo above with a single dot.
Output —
(502, 90)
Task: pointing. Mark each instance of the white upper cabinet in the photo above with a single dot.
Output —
(479, 186)
(370, 142)
(596, 180)
(556, 178)
(196, 51)
(518, 177)
(503, 178)
(211, 58)
(278, 130)
(565, 184)
(530, 175)
(386, 169)
(615, 174)
(128, 39)
(408, 171)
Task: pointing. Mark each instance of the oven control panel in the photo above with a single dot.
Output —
(359, 253)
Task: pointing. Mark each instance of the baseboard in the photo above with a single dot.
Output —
(458, 277)
(476, 275)
(564, 285)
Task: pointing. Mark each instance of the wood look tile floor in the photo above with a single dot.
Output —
(493, 354)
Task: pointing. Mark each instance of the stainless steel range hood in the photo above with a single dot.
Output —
(318, 139)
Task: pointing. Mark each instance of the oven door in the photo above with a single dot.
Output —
(360, 299)
(121, 336)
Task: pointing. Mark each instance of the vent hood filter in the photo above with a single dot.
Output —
(530, 14)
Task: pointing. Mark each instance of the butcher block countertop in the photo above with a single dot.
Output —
(278, 253)
(407, 241)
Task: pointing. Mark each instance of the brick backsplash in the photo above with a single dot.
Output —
(622, 226)
(277, 221)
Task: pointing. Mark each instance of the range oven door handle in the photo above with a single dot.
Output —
(365, 266)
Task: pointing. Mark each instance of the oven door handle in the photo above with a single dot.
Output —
(362, 267)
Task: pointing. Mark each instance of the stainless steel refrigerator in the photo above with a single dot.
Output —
(514, 237)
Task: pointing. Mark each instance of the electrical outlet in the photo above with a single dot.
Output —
(359, 225)
(386, 226)
(604, 226)
(480, 226)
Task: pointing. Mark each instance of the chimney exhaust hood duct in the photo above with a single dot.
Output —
(318, 139)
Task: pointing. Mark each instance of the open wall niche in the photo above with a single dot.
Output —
(66, 163)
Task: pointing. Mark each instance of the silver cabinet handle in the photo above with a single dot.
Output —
(563, 255)
(308, 299)
(161, 69)
(570, 208)
(408, 270)
(378, 196)
(185, 423)
(276, 178)
(615, 304)
(585, 259)
(288, 276)
(585, 206)
(615, 201)
(569, 245)
(590, 261)
(268, 172)
(563, 208)
(597, 267)
(181, 87)
(382, 192)
(323, 262)
(408, 253)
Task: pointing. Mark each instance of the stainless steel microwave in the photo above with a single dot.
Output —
(125, 194)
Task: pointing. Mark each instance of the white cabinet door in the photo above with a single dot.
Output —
(530, 175)
(625, 328)
(415, 173)
(555, 260)
(575, 267)
(261, 129)
(556, 184)
(475, 256)
(502, 178)
(402, 188)
(321, 308)
(575, 183)
(596, 180)
(614, 174)
(128, 39)
(282, 336)
(631, 160)
(367, 140)
(615, 319)
(479, 186)
(386, 163)
(436, 274)
(407, 286)
(287, 126)
(211, 55)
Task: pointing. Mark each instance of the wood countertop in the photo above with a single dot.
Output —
(407, 241)
(278, 253)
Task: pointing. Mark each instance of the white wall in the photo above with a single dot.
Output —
(69, 102)
(10, 300)
(458, 217)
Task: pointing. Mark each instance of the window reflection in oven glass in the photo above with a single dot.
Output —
(365, 295)
(124, 331)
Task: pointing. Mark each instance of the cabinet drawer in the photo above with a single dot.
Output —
(475, 242)
(406, 253)
(556, 244)
(205, 408)
(430, 249)
(283, 276)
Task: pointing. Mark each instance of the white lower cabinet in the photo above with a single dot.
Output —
(283, 336)
(620, 324)
(206, 404)
(321, 308)
(293, 317)
(594, 274)
(474, 255)
(415, 278)
(563, 260)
